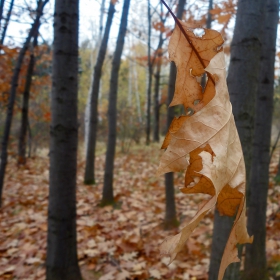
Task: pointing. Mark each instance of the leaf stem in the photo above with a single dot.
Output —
(187, 38)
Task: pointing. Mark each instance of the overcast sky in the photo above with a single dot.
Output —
(89, 20)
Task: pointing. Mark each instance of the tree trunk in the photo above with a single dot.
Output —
(157, 81)
(208, 25)
(93, 121)
(7, 22)
(107, 195)
(170, 219)
(102, 10)
(92, 61)
(255, 258)
(2, 2)
(156, 102)
(130, 79)
(25, 104)
(136, 90)
(12, 96)
(62, 261)
(150, 77)
(242, 84)
(209, 15)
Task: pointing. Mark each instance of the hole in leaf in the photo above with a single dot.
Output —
(191, 73)
(189, 111)
(188, 158)
(219, 48)
(204, 80)
(199, 32)
(196, 102)
(198, 79)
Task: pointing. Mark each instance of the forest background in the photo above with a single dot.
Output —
(131, 251)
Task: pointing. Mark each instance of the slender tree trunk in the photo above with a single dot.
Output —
(93, 121)
(14, 84)
(208, 25)
(170, 219)
(25, 104)
(255, 258)
(29, 138)
(209, 15)
(138, 103)
(157, 82)
(102, 10)
(108, 195)
(149, 77)
(130, 77)
(242, 84)
(62, 261)
(156, 102)
(2, 2)
(92, 60)
(7, 22)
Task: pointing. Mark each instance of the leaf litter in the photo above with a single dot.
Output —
(113, 243)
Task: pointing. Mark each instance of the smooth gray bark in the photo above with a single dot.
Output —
(149, 77)
(62, 261)
(170, 219)
(108, 194)
(242, 84)
(93, 120)
(255, 258)
(25, 105)
(12, 96)
(7, 22)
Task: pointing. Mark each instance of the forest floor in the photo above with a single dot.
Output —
(114, 243)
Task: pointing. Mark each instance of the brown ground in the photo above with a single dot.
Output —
(113, 243)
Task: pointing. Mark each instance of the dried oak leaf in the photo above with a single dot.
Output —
(205, 143)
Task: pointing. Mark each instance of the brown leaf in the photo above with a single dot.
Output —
(205, 143)
(187, 89)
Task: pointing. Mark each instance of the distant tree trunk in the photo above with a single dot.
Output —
(130, 78)
(138, 103)
(93, 121)
(156, 102)
(102, 10)
(7, 22)
(255, 258)
(209, 15)
(149, 77)
(62, 261)
(157, 81)
(2, 2)
(29, 138)
(108, 195)
(242, 84)
(25, 104)
(12, 96)
(92, 60)
(208, 25)
(170, 219)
